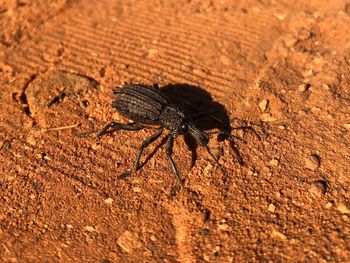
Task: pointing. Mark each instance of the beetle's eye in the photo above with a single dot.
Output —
(184, 128)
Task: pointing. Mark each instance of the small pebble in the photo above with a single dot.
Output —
(342, 208)
(225, 60)
(271, 208)
(318, 188)
(278, 234)
(290, 41)
(90, 228)
(224, 227)
(136, 189)
(328, 205)
(280, 16)
(347, 126)
(263, 105)
(129, 241)
(108, 201)
(312, 162)
(274, 162)
(303, 87)
(266, 117)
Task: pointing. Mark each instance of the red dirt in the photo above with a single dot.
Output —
(283, 68)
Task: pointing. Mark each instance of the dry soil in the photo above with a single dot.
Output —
(279, 66)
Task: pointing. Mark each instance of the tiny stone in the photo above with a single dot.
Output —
(318, 188)
(90, 228)
(290, 41)
(347, 126)
(274, 162)
(208, 168)
(96, 147)
(263, 105)
(216, 249)
(342, 208)
(108, 201)
(224, 227)
(129, 242)
(152, 53)
(312, 162)
(302, 87)
(69, 226)
(136, 189)
(272, 208)
(325, 86)
(250, 172)
(329, 205)
(153, 238)
(278, 234)
(280, 16)
(225, 60)
(206, 258)
(266, 117)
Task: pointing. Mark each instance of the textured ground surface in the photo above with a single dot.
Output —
(284, 68)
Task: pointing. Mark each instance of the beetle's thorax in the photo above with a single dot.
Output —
(172, 117)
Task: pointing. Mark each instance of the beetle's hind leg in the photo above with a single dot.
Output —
(145, 143)
(113, 126)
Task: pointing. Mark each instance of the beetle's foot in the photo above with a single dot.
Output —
(125, 174)
(85, 134)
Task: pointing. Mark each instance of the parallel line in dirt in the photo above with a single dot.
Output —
(195, 22)
(182, 50)
(54, 170)
(190, 76)
(175, 60)
(59, 151)
(146, 67)
(25, 63)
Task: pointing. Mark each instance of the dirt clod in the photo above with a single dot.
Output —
(318, 188)
(312, 162)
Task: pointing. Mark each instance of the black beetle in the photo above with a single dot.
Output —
(149, 107)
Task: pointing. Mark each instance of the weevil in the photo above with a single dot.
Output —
(147, 106)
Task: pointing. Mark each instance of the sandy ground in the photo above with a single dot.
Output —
(281, 67)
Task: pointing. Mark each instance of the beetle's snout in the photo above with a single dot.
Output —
(201, 136)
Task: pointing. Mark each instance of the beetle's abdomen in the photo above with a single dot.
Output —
(139, 103)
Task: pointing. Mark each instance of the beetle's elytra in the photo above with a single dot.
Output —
(148, 107)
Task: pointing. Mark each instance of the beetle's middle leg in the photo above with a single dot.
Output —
(145, 143)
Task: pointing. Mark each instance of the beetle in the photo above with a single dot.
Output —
(147, 106)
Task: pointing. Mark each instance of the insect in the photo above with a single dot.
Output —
(149, 107)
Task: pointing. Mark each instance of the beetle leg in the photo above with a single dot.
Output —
(113, 126)
(202, 115)
(169, 152)
(145, 143)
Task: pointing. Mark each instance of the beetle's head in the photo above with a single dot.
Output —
(201, 136)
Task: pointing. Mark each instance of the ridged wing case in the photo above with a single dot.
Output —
(140, 103)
